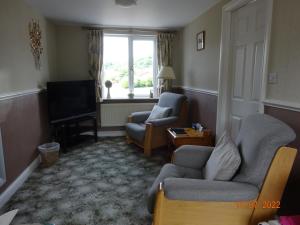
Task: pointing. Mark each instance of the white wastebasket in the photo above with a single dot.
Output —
(49, 153)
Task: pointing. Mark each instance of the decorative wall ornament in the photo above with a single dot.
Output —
(35, 35)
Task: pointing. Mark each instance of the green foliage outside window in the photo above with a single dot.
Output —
(138, 83)
(118, 73)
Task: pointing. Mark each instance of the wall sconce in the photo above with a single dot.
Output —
(35, 35)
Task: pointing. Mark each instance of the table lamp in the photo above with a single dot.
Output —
(166, 75)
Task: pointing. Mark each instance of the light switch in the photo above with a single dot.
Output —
(273, 78)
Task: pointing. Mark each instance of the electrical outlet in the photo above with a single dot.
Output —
(272, 78)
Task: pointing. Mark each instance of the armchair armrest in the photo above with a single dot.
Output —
(139, 117)
(163, 121)
(206, 190)
(192, 156)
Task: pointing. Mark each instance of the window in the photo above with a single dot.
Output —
(129, 62)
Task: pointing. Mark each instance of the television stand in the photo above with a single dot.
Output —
(68, 132)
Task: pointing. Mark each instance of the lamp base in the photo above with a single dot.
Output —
(168, 85)
(165, 86)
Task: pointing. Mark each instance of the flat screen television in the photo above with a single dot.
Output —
(70, 99)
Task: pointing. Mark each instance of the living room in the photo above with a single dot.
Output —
(198, 55)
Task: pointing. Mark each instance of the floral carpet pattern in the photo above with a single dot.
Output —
(101, 183)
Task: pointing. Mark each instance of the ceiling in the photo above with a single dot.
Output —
(146, 14)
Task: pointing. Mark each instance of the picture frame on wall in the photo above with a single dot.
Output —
(201, 40)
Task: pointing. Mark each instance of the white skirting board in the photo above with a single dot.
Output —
(12, 189)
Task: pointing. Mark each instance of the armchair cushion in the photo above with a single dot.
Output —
(163, 121)
(192, 156)
(224, 160)
(170, 170)
(136, 131)
(159, 112)
(206, 190)
(140, 117)
(173, 101)
(259, 138)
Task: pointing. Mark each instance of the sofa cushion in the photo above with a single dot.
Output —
(136, 131)
(208, 190)
(170, 170)
(173, 101)
(159, 112)
(224, 160)
(140, 117)
(259, 138)
(192, 156)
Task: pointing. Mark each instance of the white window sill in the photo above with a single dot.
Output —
(130, 100)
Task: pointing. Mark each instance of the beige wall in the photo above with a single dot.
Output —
(17, 70)
(200, 68)
(285, 51)
(72, 56)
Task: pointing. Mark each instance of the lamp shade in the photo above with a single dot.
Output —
(166, 73)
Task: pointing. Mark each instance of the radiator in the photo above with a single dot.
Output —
(116, 114)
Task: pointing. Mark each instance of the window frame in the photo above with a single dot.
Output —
(131, 38)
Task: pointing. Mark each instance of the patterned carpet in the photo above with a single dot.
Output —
(101, 183)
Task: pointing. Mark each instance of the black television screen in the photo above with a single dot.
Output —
(70, 99)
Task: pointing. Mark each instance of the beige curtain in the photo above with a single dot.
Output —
(164, 56)
(164, 49)
(95, 58)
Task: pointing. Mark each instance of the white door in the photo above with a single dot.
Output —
(248, 35)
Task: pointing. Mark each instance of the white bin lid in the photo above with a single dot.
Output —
(49, 147)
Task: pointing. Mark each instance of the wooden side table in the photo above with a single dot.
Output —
(191, 137)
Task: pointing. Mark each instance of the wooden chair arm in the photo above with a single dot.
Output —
(173, 212)
(148, 139)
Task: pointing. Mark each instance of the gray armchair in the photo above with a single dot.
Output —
(181, 195)
(152, 134)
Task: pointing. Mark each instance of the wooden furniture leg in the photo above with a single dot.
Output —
(148, 139)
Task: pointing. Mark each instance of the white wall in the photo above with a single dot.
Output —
(17, 69)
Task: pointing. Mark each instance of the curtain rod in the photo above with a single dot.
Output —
(125, 29)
